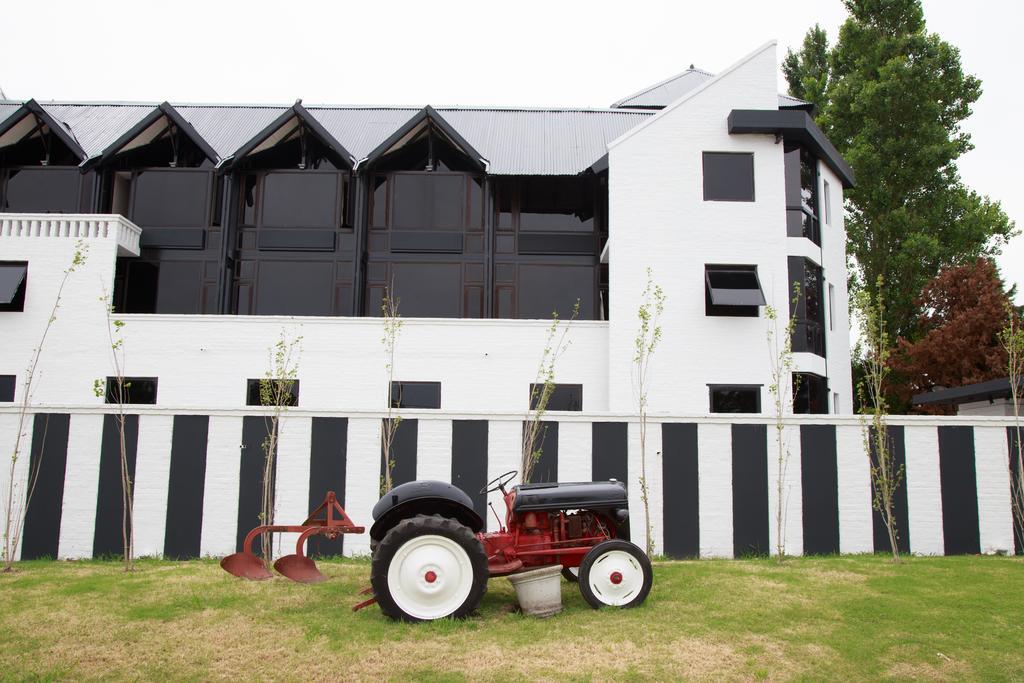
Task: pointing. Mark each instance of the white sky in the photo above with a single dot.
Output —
(526, 53)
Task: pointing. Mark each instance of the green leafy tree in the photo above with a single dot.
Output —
(892, 101)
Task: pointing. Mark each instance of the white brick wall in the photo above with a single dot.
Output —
(714, 471)
(991, 462)
(924, 493)
(853, 469)
(152, 471)
(81, 481)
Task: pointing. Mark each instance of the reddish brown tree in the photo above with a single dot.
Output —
(962, 311)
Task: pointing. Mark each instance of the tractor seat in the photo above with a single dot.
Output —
(584, 494)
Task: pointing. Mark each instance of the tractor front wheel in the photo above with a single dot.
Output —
(615, 573)
(428, 568)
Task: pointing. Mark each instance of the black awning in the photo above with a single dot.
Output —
(12, 279)
(730, 286)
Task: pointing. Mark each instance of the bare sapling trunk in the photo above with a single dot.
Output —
(534, 430)
(648, 335)
(885, 474)
(277, 392)
(116, 393)
(1012, 340)
(389, 426)
(782, 382)
(17, 497)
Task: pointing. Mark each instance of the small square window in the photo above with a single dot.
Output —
(563, 397)
(7, 388)
(416, 395)
(831, 306)
(137, 390)
(728, 177)
(286, 392)
(735, 398)
(732, 291)
(13, 279)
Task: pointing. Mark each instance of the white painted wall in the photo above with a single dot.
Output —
(659, 219)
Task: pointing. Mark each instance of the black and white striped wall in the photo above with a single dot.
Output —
(713, 482)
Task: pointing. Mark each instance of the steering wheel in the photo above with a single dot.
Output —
(499, 482)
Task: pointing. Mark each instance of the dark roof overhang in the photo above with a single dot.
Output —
(980, 391)
(795, 125)
(281, 129)
(428, 116)
(150, 128)
(15, 128)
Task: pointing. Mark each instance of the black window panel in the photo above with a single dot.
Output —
(173, 198)
(415, 394)
(138, 390)
(476, 204)
(428, 201)
(42, 190)
(792, 175)
(7, 383)
(808, 309)
(295, 288)
(563, 397)
(428, 290)
(179, 287)
(728, 177)
(300, 199)
(735, 398)
(733, 286)
(556, 204)
(504, 192)
(287, 389)
(808, 183)
(378, 215)
(548, 288)
(810, 394)
(13, 283)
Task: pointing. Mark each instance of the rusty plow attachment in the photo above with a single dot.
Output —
(328, 519)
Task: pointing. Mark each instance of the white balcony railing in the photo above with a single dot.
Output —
(74, 226)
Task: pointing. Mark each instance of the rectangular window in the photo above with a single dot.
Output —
(735, 398)
(138, 390)
(801, 178)
(810, 394)
(416, 395)
(827, 200)
(42, 190)
(13, 281)
(732, 290)
(268, 392)
(835, 403)
(172, 198)
(301, 199)
(563, 397)
(7, 388)
(428, 201)
(831, 307)
(548, 204)
(809, 307)
(728, 177)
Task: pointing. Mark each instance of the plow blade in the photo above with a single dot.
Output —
(299, 568)
(246, 566)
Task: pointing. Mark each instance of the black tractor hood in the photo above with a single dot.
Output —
(589, 494)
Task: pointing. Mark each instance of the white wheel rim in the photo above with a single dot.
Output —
(616, 578)
(430, 577)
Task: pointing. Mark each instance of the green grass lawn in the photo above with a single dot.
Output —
(825, 618)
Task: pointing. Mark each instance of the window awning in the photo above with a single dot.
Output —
(288, 126)
(159, 123)
(423, 122)
(31, 120)
(12, 278)
(731, 286)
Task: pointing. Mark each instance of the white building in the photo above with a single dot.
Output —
(481, 219)
(215, 229)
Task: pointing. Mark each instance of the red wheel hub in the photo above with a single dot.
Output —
(431, 577)
(616, 578)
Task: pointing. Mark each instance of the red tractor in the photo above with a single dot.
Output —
(432, 558)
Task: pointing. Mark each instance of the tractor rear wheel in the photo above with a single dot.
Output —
(615, 573)
(428, 568)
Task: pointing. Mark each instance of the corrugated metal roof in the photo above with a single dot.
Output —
(514, 141)
(671, 89)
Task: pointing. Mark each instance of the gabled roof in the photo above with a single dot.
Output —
(27, 119)
(283, 128)
(664, 93)
(150, 128)
(411, 129)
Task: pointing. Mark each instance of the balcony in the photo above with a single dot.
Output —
(73, 226)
